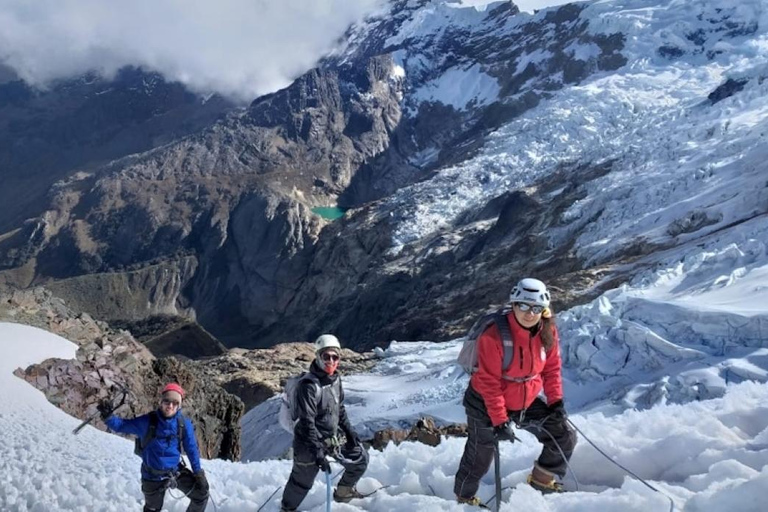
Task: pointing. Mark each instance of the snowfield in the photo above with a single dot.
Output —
(710, 455)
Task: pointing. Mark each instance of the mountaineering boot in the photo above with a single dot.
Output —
(344, 494)
(543, 480)
(474, 501)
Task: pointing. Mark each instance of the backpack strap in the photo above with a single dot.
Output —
(506, 341)
(180, 432)
(318, 387)
(151, 431)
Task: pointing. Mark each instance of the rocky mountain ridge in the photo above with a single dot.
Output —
(472, 146)
(217, 226)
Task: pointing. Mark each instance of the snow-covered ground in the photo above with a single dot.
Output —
(708, 456)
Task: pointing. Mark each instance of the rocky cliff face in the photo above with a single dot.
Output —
(108, 360)
(213, 226)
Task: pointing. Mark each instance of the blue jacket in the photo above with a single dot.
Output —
(162, 453)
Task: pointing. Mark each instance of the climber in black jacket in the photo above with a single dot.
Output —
(323, 429)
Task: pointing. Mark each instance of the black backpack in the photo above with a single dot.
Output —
(142, 442)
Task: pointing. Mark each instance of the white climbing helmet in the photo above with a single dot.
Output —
(326, 341)
(531, 291)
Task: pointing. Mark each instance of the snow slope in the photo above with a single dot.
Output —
(709, 456)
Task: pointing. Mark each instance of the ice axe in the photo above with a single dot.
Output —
(95, 415)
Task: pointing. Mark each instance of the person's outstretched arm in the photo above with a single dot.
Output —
(137, 426)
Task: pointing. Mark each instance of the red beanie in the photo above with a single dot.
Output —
(174, 387)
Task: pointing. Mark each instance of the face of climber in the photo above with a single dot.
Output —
(170, 403)
(330, 360)
(527, 315)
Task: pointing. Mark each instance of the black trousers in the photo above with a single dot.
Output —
(305, 470)
(478, 452)
(154, 492)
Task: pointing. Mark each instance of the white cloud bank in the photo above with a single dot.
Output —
(240, 48)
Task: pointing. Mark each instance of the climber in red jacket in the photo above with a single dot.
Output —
(497, 397)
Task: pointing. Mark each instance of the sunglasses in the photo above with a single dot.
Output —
(330, 357)
(536, 310)
(168, 401)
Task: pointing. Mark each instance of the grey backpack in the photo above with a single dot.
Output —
(468, 356)
(289, 415)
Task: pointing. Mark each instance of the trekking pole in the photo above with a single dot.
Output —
(95, 415)
(327, 491)
(269, 499)
(497, 471)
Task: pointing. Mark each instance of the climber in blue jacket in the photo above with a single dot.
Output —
(162, 435)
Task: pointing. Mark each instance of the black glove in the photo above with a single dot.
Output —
(504, 432)
(352, 440)
(201, 482)
(105, 409)
(323, 464)
(557, 411)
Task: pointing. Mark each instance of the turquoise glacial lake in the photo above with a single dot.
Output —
(329, 212)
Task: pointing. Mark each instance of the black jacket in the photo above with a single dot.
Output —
(319, 419)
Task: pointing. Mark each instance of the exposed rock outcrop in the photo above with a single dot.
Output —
(177, 336)
(423, 431)
(108, 360)
(81, 123)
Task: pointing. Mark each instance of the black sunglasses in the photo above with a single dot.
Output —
(168, 401)
(330, 357)
(522, 306)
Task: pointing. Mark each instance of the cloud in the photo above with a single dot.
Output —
(240, 48)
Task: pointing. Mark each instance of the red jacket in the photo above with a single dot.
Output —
(530, 361)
